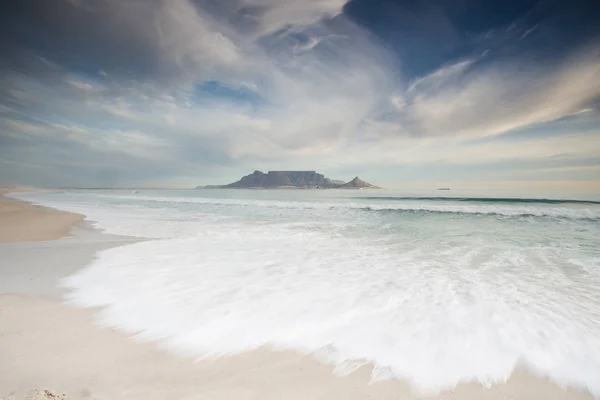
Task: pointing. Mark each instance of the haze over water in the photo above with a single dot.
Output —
(431, 290)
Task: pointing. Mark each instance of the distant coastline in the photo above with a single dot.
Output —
(308, 180)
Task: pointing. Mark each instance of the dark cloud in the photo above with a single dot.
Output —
(121, 38)
(83, 36)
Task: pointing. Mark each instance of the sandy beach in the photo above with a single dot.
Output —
(49, 349)
(24, 222)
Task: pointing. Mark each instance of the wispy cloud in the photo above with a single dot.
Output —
(528, 32)
(496, 99)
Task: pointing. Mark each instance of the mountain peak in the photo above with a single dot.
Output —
(359, 184)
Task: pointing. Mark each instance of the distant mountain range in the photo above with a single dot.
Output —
(291, 180)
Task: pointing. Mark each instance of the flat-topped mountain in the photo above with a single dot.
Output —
(291, 180)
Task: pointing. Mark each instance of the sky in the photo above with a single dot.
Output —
(403, 93)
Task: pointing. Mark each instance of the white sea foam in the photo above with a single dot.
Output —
(432, 298)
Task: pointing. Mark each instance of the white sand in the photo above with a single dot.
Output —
(45, 344)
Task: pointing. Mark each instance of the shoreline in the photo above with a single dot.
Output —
(21, 221)
(47, 344)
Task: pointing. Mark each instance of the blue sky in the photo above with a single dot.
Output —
(411, 93)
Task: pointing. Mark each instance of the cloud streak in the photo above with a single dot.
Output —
(499, 99)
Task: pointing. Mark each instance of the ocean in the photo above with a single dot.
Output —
(431, 290)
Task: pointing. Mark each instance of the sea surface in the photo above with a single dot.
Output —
(431, 290)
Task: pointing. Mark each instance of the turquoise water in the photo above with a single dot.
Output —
(433, 290)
